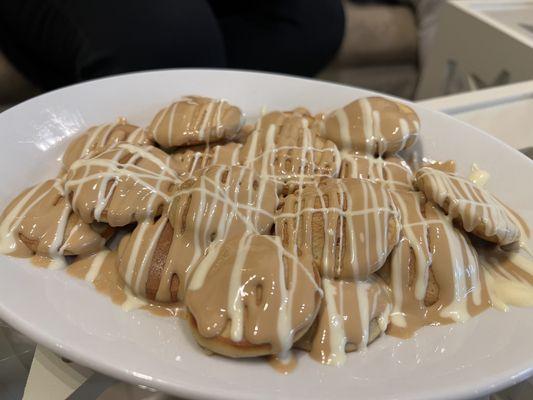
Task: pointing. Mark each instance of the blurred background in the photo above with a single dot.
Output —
(415, 49)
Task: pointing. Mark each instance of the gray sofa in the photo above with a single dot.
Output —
(379, 50)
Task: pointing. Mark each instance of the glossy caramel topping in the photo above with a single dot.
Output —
(284, 148)
(99, 138)
(353, 314)
(247, 292)
(373, 126)
(392, 171)
(122, 185)
(189, 161)
(40, 221)
(476, 209)
(221, 202)
(346, 226)
(195, 120)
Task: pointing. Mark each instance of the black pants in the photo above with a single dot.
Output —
(57, 42)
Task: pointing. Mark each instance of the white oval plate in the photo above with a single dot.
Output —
(491, 351)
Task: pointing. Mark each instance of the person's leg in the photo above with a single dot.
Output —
(56, 42)
(290, 36)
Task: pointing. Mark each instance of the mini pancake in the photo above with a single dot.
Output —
(249, 297)
(373, 126)
(474, 208)
(346, 226)
(122, 185)
(40, 221)
(196, 120)
(286, 149)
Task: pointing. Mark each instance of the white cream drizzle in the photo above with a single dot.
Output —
(132, 302)
(368, 129)
(421, 250)
(96, 265)
(505, 288)
(337, 317)
(344, 128)
(478, 176)
(336, 325)
(457, 310)
(463, 266)
(397, 316)
(284, 323)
